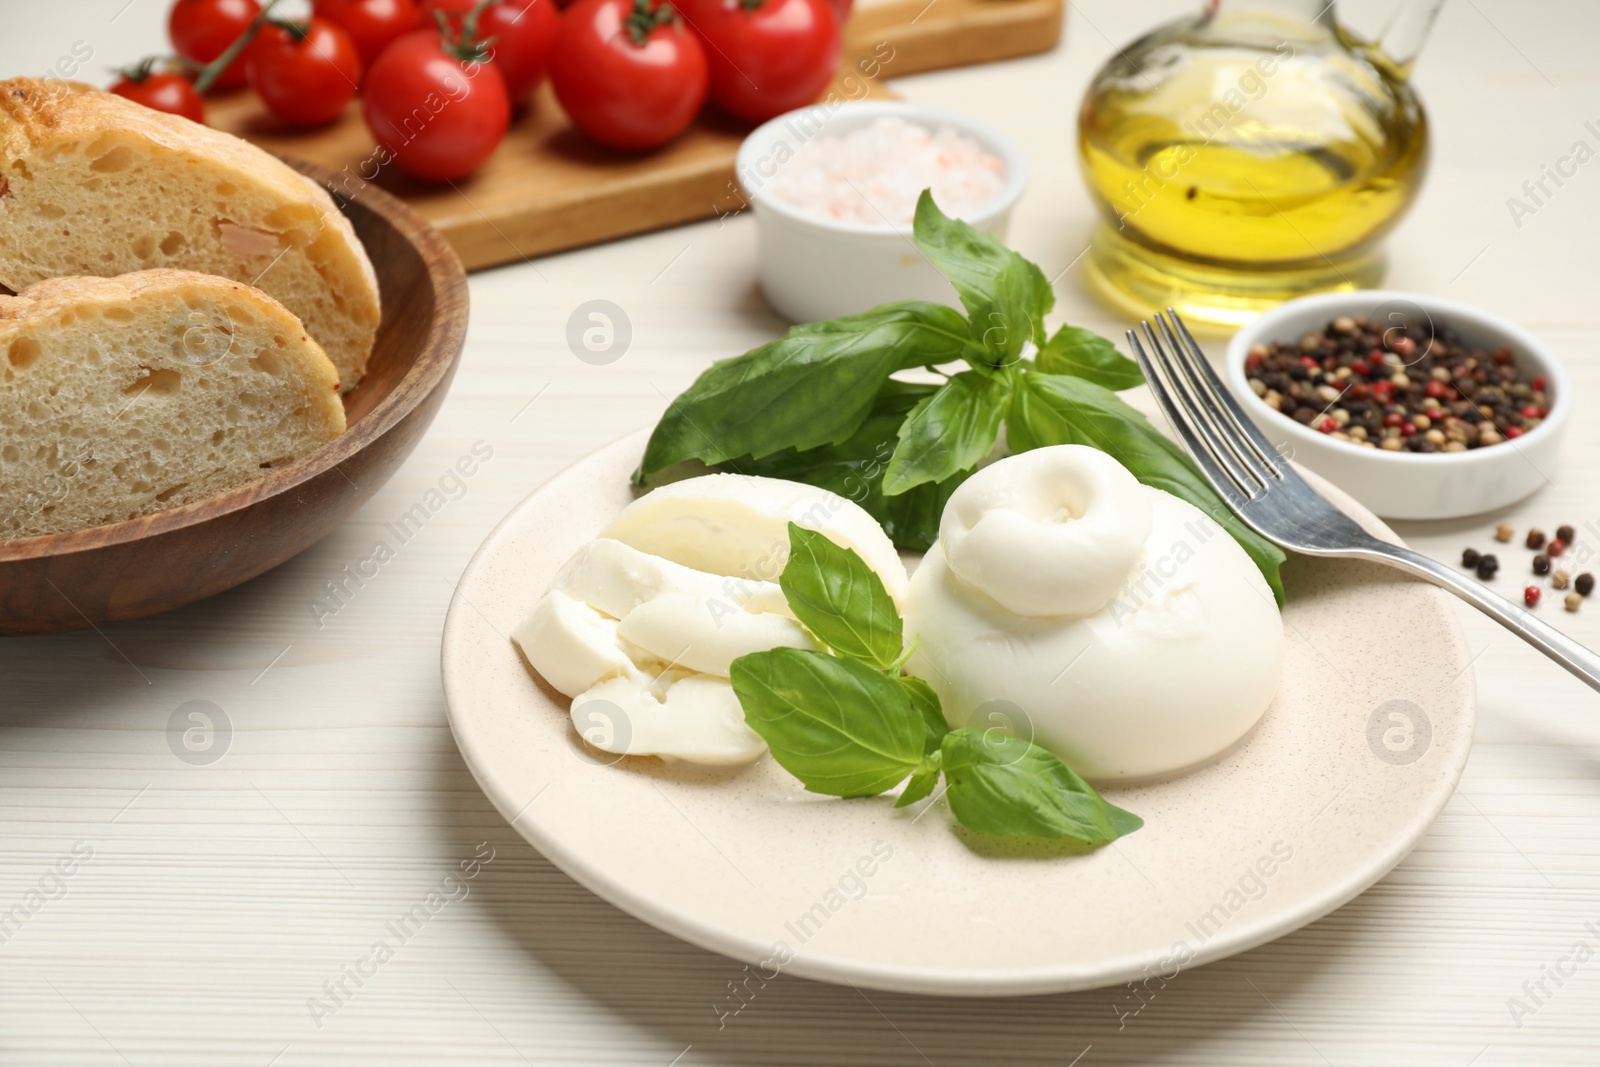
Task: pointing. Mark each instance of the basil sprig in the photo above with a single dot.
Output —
(821, 404)
(847, 723)
(813, 386)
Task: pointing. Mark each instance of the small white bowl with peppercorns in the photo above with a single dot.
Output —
(1419, 407)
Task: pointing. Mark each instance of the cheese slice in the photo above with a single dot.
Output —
(738, 525)
(571, 645)
(697, 719)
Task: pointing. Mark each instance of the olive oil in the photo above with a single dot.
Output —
(1243, 158)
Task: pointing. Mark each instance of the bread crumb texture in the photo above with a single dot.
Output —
(120, 397)
(93, 184)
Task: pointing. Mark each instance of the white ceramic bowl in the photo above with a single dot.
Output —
(1408, 485)
(815, 268)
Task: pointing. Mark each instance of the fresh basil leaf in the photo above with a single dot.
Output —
(922, 780)
(1085, 354)
(840, 599)
(854, 469)
(926, 702)
(813, 386)
(950, 431)
(1005, 295)
(839, 726)
(999, 784)
(1054, 409)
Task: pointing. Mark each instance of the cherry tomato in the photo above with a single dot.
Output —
(769, 58)
(202, 30)
(627, 73)
(371, 24)
(161, 91)
(304, 72)
(521, 34)
(437, 105)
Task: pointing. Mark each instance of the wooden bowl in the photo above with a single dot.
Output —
(131, 569)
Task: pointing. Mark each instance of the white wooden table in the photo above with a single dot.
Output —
(212, 910)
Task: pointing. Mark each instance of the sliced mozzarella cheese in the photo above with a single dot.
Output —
(642, 625)
(738, 525)
(570, 644)
(679, 615)
(616, 578)
(687, 632)
(696, 718)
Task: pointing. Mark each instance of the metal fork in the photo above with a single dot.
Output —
(1269, 495)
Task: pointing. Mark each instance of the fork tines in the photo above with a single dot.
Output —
(1235, 457)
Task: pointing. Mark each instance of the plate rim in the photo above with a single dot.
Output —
(925, 980)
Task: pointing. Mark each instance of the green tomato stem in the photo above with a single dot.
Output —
(213, 70)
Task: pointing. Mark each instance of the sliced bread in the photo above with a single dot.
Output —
(93, 184)
(123, 396)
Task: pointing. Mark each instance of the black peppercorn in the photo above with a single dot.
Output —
(1487, 565)
(1535, 539)
(1566, 533)
(1584, 584)
(1541, 564)
(1469, 557)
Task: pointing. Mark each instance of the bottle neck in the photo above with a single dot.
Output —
(1263, 23)
(1320, 12)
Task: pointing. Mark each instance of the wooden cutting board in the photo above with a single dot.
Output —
(549, 188)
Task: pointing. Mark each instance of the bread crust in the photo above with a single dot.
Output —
(40, 119)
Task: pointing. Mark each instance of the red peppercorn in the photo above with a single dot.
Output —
(1310, 364)
(1252, 362)
(1407, 430)
(1530, 596)
(1393, 419)
(1360, 391)
(1538, 383)
(1403, 346)
(1532, 411)
(1555, 547)
(1328, 424)
(1382, 391)
(1514, 431)
(1439, 390)
(1361, 366)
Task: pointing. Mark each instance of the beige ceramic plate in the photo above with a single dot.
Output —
(1340, 780)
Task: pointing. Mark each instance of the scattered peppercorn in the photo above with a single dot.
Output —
(1566, 533)
(1558, 579)
(1530, 596)
(1541, 564)
(1504, 532)
(1535, 539)
(1556, 547)
(1574, 601)
(1487, 565)
(1417, 385)
(1584, 584)
(1469, 557)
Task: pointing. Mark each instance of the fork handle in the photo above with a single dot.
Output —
(1541, 635)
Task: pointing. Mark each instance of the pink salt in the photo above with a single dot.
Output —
(874, 174)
